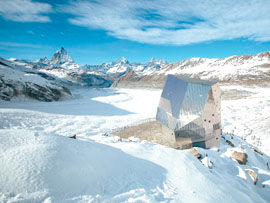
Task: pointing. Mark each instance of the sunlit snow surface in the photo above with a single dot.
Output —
(37, 163)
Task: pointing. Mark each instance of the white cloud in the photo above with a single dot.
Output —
(24, 10)
(175, 22)
(18, 45)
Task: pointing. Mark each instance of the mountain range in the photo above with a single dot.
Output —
(61, 72)
(238, 70)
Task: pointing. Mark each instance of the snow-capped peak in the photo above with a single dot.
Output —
(12, 59)
(152, 60)
(61, 57)
(157, 62)
(122, 60)
(44, 60)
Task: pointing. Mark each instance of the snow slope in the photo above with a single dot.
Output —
(47, 166)
(229, 68)
(247, 116)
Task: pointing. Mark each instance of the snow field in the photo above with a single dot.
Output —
(248, 117)
(38, 163)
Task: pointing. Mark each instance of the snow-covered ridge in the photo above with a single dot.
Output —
(246, 69)
(122, 66)
(221, 69)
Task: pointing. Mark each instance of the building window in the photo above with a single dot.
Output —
(216, 126)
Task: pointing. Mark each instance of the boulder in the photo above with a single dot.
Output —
(195, 153)
(240, 157)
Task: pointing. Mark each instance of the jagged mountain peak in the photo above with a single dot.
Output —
(152, 60)
(157, 61)
(122, 60)
(62, 50)
(60, 57)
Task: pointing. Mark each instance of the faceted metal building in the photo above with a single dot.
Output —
(191, 109)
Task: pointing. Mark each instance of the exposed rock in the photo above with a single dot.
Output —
(90, 80)
(7, 91)
(253, 174)
(73, 137)
(256, 150)
(19, 80)
(195, 153)
(240, 157)
(44, 75)
(44, 93)
(230, 143)
(60, 57)
(31, 90)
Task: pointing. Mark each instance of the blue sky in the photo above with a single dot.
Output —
(94, 32)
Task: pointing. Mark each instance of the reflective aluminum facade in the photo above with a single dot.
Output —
(191, 108)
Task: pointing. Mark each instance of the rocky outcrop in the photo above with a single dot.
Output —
(195, 153)
(18, 80)
(10, 89)
(7, 91)
(44, 93)
(89, 80)
(240, 157)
